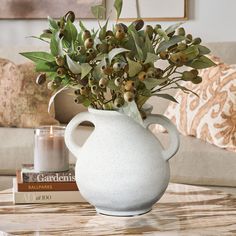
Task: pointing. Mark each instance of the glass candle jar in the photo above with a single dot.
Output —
(50, 151)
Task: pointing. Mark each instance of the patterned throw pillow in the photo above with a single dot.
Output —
(211, 116)
(22, 102)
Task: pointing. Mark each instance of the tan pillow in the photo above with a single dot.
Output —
(22, 102)
(212, 115)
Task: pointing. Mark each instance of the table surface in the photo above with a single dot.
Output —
(183, 210)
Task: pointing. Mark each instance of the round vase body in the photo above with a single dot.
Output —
(121, 169)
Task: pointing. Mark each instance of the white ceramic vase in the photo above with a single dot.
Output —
(122, 168)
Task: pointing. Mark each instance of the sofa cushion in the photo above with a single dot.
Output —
(211, 116)
(23, 102)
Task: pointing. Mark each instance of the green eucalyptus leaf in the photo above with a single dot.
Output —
(53, 24)
(98, 11)
(45, 67)
(162, 33)
(191, 52)
(85, 69)
(201, 63)
(203, 50)
(44, 36)
(102, 33)
(38, 56)
(151, 83)
(54, 46)
(138, 45)
(166, 96)
(73, 66)
(116, 51)
(151, 58)
(70, 33)
(164, 45)
(81, 25)
(172, 28)
(134, 67)
(118, 6)
(111, 85)
(148, 46)
(87, 102)
(130, 109)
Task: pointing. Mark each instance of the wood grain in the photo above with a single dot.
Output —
(183, 210)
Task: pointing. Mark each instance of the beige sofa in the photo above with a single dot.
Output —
(196, 162)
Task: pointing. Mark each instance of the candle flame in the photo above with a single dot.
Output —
(51, 131)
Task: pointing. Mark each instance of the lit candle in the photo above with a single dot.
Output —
(50, 151)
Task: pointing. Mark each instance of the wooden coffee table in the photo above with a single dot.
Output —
(183, 210)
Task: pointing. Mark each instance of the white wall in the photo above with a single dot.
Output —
(213, 20)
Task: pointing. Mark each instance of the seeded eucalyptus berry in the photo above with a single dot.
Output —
(70, 15)
(88, 43)
(129, 85)
(41, 79)
(61, 71)
(60, 61)
(138, 24)
(86, 34)
(119, 102)
(197, 41)
(117, 66)
(149, 31)
(103, 82)
(181, 31)
(118, 81)
(164, 55)
(129, 96)
(142, 76)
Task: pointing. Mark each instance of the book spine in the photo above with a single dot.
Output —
(45, 197)
(48, 177)
(30, 187)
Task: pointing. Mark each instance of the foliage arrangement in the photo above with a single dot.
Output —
(113, 68)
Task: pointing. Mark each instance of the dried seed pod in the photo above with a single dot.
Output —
(118, 81)
(77, 92)
(61, 71)
(129, 85)
(119, 102)
(151, 72)
(88, 43)
(189, 38)
(103, 48)
(107, 70)
(52, 85)
(117, 66)
(103, 82)
(164, 55)
(138, 24)
(197, 80)
(86, 35)
(70, 15)
(142, 75)
(181, 46)
(94, 89)
(157, 27)
(120, 34)
(83, 90)
(109, 33)
(41, 79)
(128, 96)
(195, 72)
(181, 31)
(197, 41)
(188, 76)
(149, 31)
(60, 61)
(81, 49)
(47, 31)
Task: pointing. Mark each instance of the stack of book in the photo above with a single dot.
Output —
(30, 186)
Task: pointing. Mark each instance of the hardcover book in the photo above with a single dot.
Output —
(28, 174)
(46, 196)
(48, 186)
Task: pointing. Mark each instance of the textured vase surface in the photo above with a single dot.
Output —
(122, 169)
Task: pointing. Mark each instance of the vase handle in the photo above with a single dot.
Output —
(174, 135)
(74, 148)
